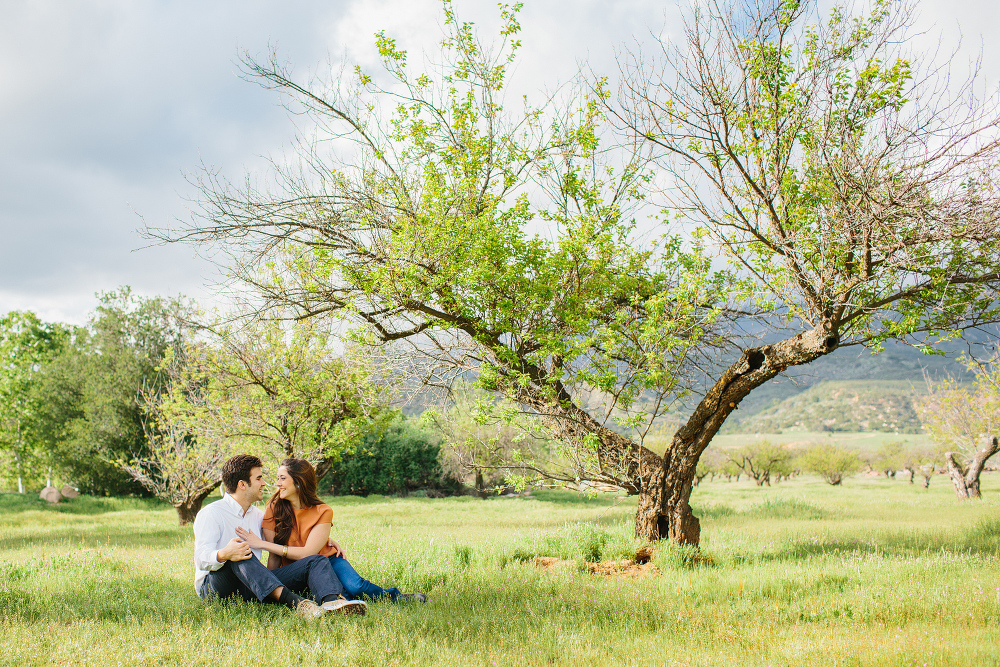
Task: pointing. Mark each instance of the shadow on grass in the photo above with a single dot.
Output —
(979, 540)
(145, 598)
(777, 508)
(15, 503)
(567, 497)
(100, 537)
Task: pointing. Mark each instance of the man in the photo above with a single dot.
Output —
(225, 565)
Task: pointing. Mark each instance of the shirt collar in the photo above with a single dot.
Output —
(234, 505)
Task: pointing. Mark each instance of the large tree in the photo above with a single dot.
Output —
(850, 185)
(498, 237)
(26, 345)
(89, 410)
(494, 236)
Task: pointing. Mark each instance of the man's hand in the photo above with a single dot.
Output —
(337, 551)
(237, 549)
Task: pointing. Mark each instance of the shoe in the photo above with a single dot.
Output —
(412, 597)
(309, 609)
(343, 606)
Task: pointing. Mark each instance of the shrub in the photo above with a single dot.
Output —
(763, 459)
(401, 459)
(831, 462)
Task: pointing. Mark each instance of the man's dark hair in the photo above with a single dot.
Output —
(238, 468)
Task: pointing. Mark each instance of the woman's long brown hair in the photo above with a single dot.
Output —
(304, 477)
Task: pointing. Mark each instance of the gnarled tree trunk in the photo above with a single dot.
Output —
(966, 480)
(480, 485)
(188, 509)
(664, 510)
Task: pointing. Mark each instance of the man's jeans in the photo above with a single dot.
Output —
(250, 580)
(355, 586)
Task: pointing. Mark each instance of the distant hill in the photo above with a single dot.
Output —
(848, 390)
(904, 369)
(851, 405)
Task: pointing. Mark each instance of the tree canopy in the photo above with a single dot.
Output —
(846, 198)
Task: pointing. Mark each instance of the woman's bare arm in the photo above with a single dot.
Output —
(314, 543)
(273, 559)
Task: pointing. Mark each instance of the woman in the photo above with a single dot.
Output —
(297, 524)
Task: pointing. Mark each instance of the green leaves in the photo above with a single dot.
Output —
(26, 344)
(501, 240)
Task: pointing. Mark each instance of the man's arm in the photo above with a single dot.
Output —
(207, 535)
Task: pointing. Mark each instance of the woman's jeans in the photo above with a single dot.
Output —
(355, 587)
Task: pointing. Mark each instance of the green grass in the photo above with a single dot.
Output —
(877, 572)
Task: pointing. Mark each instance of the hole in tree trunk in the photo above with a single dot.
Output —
(755, 360)
(661, 526)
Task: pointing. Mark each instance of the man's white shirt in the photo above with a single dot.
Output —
(214, 526)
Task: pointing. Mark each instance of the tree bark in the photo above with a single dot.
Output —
(966, 480)
(188, 509)
(480, 485)
(664, 510)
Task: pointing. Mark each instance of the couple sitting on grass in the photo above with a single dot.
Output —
(295, 529)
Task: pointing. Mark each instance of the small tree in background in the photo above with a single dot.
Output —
(964, 420)
(478, 442)
(831, 462)
(926, 460)
(281, 390)
(271, 389)
(712, 462)
(186, 450)
(763, 459)
(889, 458)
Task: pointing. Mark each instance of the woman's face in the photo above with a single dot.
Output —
(286, 485)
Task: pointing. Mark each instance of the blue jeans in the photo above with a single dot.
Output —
(355, 586)
(250, 580)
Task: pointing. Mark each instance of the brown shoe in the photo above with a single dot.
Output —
(309, 609)
(343, 606)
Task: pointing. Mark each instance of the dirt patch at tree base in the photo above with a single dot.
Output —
(615, 569)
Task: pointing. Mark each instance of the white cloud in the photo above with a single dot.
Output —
(105, 104)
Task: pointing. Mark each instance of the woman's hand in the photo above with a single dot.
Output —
(337, 551)
(251, 539)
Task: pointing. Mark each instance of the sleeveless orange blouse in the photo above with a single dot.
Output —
(305, 520)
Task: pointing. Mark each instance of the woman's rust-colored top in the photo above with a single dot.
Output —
(305, 520)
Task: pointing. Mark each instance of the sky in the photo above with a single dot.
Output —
(109, 107)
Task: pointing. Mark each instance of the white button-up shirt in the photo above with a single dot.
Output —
(214, 526)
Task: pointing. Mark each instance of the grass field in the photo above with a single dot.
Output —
(877, 572)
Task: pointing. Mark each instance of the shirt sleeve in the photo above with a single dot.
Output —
(268, 521)
(326, 514)
(207, 533)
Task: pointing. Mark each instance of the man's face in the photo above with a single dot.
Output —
(257, 484)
